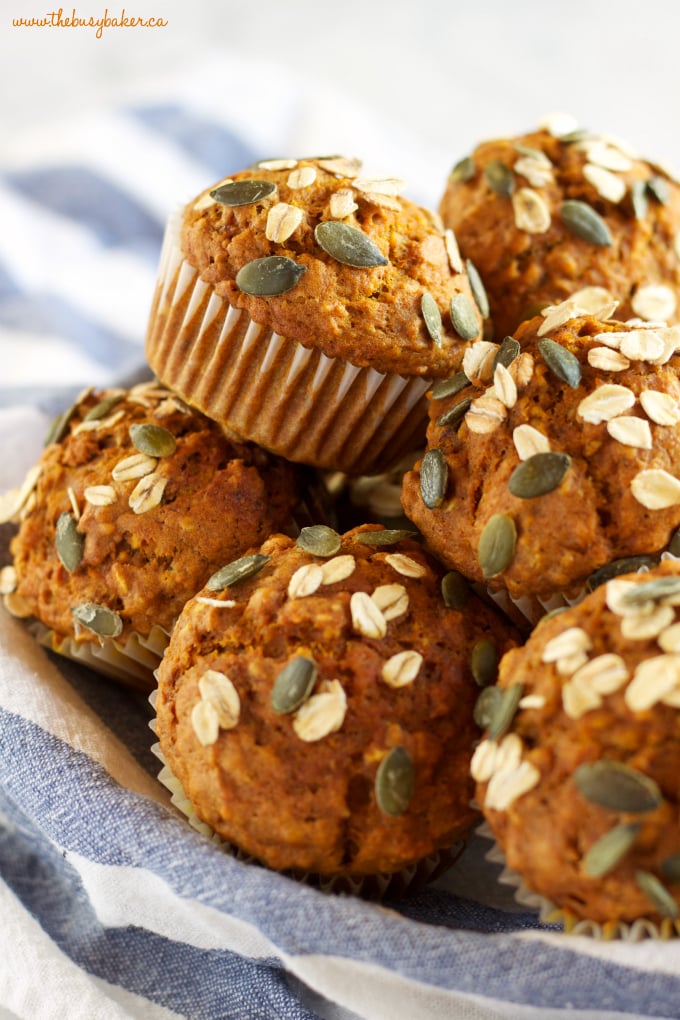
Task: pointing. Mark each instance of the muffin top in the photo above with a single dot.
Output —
(578, 772)
(545, 213)
(336, 261)
(315, 701)
(135, 501)
(555, 454)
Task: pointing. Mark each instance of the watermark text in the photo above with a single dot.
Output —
(60, 19)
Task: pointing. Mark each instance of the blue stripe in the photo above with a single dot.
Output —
(220, 150)
(8, 285)
(80, 194)
(294, 916)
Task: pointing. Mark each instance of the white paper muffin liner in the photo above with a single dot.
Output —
(371, 887)
(549, 913)
(271, 390)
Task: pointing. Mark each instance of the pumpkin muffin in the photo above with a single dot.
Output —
(135, 501)
(552, 455)
(578, 773)
(315, 702)
(556, 210)
(307, 307)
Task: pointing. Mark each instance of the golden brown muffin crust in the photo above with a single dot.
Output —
(301, 803)
(370, 316)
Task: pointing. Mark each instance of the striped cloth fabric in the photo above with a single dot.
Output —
(112, 907)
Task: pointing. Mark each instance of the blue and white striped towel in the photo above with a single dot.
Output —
(111, 906)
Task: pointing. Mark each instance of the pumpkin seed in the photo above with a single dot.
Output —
(455, 590)
(539, 474)
(319, 540)
(101, 409)
(638, 195)
(671, 868)
(499, 177)
(582, 220)
(293, 685)
(434, 476)
(153, 440)
(497, 545)
(657, 894)
(674, 544)
(449, 387)
(484, 662)
(389, 536)
(463, 317)
(237, 193)
(464, 169)
(607, 852)
(625, 565)
(99, 619)
(658, 187)
(432, 316)
(59, 425)
(651, 591)
(562, 362)
(394, 782)
(507, 352)
(504, 711)
(69, 541)
(455, 414)
(238, 570)
(618, 787)
(348, 245)
(478, 289)
(269, 276)
(486, 706)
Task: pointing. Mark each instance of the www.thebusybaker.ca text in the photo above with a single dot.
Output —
(57, 19)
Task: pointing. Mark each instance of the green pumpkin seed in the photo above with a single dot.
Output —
(497, 545)
(464, 169)
(618, 787)
(607, 852)
(389, 536)
(539, 474)
(455, 590)
(504, 711)
(638, 196)
(484, 662)
(499, 177)
(101, 409)
(674, 544)
(651, 591)
(394, 782)
(562, 362)
(319, 540)
(671, 868)
(449, 387)
(69, 541)
(153, 440)
(507, 352)
(478, 289)
(487, 706)
(238, 570)
(432, 316)
(237, 193)
(434, 477)
(658, 187)
(625, 565)
(269, 276)
(59, 425)
(582, 220)
(99, 619)
(657, 894)
(463, 317)
(348, 245)
(293, 685)
(455, 414)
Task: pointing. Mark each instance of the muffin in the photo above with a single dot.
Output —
(559, 459)
(557, 210)
(135, 501)
(315, 702)
(308, 308)
(578, 773)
